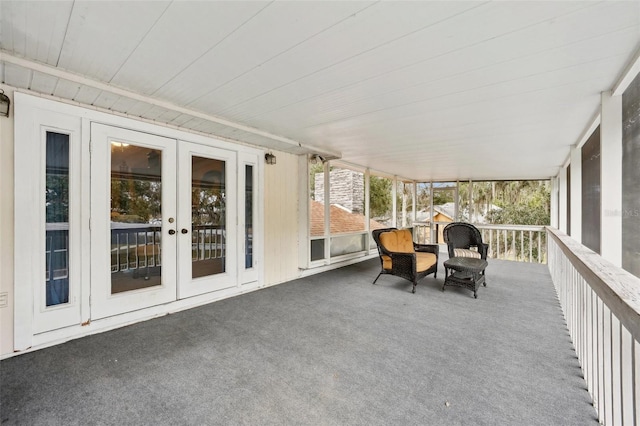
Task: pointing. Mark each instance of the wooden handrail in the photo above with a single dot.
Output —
(618, 289)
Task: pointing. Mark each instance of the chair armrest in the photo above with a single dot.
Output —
(483, 250)
(402, 263)
(427, 248)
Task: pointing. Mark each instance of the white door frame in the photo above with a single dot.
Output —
(189, 286)
(31, 113)
(103, 302)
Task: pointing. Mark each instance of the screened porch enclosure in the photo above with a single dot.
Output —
(208, 174)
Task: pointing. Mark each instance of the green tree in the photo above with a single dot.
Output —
(380, 200)
(521, 203)
(313, 170)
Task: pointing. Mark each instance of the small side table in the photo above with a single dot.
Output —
(465, 272)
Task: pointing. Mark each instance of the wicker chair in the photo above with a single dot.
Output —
(464, 240)
(401, 257)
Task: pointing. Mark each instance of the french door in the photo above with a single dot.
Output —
(110, 221)
(163, 220)
(207, 219)
(133, 220)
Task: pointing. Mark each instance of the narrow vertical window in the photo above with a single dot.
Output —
(208, 216)
(248, 217)
(57, 219)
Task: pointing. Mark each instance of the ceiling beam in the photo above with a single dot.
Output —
(118, 91)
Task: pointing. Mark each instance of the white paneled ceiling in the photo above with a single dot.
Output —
(425, 90)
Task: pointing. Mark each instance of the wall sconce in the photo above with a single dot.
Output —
(269, 158)
(4, 104)
(316, 159)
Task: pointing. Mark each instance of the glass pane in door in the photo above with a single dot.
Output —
(57, 219)
(136, 217)
(208, 217)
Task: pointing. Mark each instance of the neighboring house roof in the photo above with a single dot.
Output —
(341, 220)
(445, 210)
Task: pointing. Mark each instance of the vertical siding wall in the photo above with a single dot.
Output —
(281, 219)
(6, 227)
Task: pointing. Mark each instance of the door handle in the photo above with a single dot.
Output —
(172, 231)
(184, 230)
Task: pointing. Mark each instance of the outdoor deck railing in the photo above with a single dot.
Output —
(522, 243)
(135, 247)
(601, 305)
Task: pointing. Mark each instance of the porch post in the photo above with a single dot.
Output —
(394, 203)
(611, 178)
(554, 202)
(414, 191)
(562, 190)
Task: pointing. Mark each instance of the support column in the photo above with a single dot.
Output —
(611, 178)
(562, 208)
(394, 202)
(554, 203)
(414, 191)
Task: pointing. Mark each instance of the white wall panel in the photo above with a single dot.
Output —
(6, 226)
(281, 219)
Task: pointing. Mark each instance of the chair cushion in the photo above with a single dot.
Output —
(386, 262)
(399, 241)
(466, 253)
(425, 261)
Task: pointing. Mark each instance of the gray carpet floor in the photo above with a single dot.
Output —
(330, 349)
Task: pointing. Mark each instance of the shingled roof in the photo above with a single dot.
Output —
(341, 220)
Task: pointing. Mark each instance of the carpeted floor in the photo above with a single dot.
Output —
(330, 349)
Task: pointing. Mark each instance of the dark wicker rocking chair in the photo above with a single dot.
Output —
(406, 259)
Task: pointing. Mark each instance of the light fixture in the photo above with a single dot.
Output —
(4, 104)
(316, 159)
(269, 158)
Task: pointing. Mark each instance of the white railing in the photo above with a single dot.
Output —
(422, 232)
(137, 246)
(522, 243)
(601, 305)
